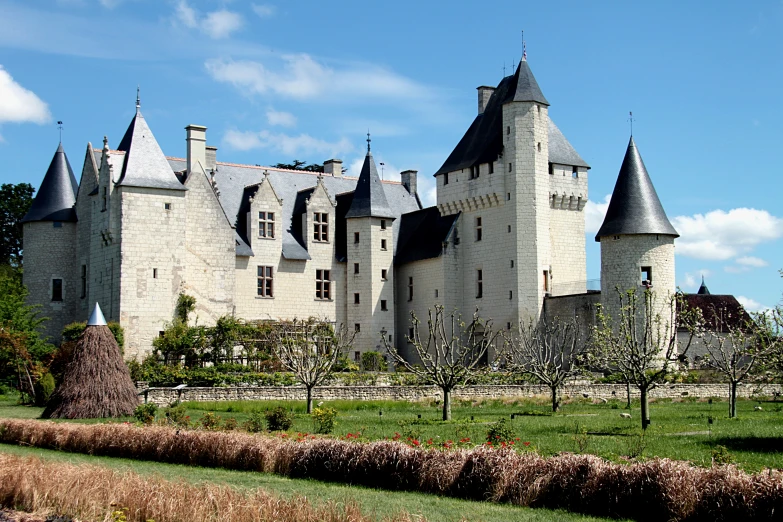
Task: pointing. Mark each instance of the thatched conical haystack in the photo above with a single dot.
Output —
(96, 383)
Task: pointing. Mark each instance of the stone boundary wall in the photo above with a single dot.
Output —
(166, 396)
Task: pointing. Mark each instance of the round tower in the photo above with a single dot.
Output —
(49, 243)
(637, 241)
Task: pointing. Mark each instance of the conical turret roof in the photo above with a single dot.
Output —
(703, 290)
(524, 87)
(145, 164)
(57, 196)
(369, 199)
(635, 207)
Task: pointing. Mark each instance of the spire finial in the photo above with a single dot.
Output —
(524, 47)
(504, 68)
(138, 97)
(630, 119)
(60, 126)
(105, 143)
(368, 141)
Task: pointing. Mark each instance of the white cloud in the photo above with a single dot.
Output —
(693, 279)
(264, 10)
(751, 261)
(302, 78)
(283, 119)
(723, 235)
(293, 146)
(216, 24)
(18, 104)
(751, 305)
(594, 214)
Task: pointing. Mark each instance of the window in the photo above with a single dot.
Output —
(321, 227)
(474, 172)
(167, 206)
(551, 169)
(161, 333)
(538, 107)
(356, 298)
(436, 292)
(410, 335)
(615, 238)
(357, 327)
(84, 281)
(383, 224)
(491, 167)
(383, 305)
(384, 274)
(538, 146)
(647, 276)
(154, 273)
(546, 281)
(479, 284)
(510, 294)
(355, 238)
(509, 229)
(478, 229)
(383, 244)
(266, 224)
(446, 178)
(57, 289)
(57, 224)
(323, 286)
(356, 268)
(265, 281)
(509, 167)
(508, 326)
(410, 289)
(357, 357)
(512, 263)
(508, 196)
(508, 130)
(574, 172)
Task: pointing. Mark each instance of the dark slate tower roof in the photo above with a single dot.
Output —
(369, 199)
(524, 87)
(56, 198)
(145, 164)
(635, 207)
(703, 290)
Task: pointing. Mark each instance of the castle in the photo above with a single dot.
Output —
(507, 234)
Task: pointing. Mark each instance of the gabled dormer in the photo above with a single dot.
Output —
(318, 218)
(265, 218)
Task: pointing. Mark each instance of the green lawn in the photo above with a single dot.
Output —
(373, 502)
(679, 430)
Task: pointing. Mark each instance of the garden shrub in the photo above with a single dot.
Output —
(372, 361)
(324, 419)
(176, 414)
(210, 421)
(500, 431)
(145, 413)
(255, 424)
(44, 389)
(230, 424)
(279, 419)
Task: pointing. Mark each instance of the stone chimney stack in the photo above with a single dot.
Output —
(197, 146)
(334, 168)
(484, 93)
(408, 178)
(211, 158)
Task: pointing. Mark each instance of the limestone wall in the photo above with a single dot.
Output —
(568, 196)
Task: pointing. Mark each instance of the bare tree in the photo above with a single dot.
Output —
(450, 351)
(641, 343)
(552, 352)
(309, 349)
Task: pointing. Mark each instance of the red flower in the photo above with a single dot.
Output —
(526, 443)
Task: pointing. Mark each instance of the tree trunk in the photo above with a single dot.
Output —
(628, 395)
(446, 404)
(309, 399)
(645, 408)
(732, 399)
(555, 402)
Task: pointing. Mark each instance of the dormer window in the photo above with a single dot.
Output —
(266, 225)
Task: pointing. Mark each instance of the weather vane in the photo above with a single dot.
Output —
(138, 97)
(60, 126)
(368, 141)
(524, 47)
(630, 119)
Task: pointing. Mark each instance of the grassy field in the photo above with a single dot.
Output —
(679, 430)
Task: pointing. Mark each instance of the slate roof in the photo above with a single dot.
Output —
(634, 207)
(483, 141)
(422, 234)
(703, 290)
(369, 199)
(714, 306)
(236, 183)
(56, 197)
(145, 164)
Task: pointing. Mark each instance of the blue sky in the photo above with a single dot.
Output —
(275, 81)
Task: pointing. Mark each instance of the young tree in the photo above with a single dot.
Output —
(15, 201)
(310, 349)
(641, 342)
(551, 351)
(450, 351)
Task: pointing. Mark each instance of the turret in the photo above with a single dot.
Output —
(49, 231)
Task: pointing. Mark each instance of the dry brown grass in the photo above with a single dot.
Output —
(659, 489)
(93, 493)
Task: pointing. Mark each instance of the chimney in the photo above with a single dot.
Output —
(334, 168)
(197, 143)
(211, 158)
(484, 93)
(408, 178)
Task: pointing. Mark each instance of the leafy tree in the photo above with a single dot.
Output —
(552, 352)
(310, 350)
(451, 351)
(300, 165)
(15, 201)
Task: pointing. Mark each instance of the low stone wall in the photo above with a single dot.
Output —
(166, 396)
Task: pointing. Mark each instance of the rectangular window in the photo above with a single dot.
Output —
(383, 305)
(356, 268)
(647, 276)
(478, 229)
(491, 167)
(355, 238)
(266, 224)
(321, 227)
(357, 327)
(383, 244)
(323, 286)
(436, 292)
(357, 357)
(410, 289)
(551, 169)
(57, 289)
(546, 281)
(84, 281)
(509, 167)
(508, 130)
(575, 172)
(410, 335)
(383, 224)
(384, 274)
(167, 206)
(356, 298)
(265, 281)
(446, 178)
(509, 229)
(510, 294)
(479, 284)
(474, 172)
(508, 196)
(57, 224)
(154, 273)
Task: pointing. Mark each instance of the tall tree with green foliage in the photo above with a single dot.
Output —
(300, 165)
(15, 201)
